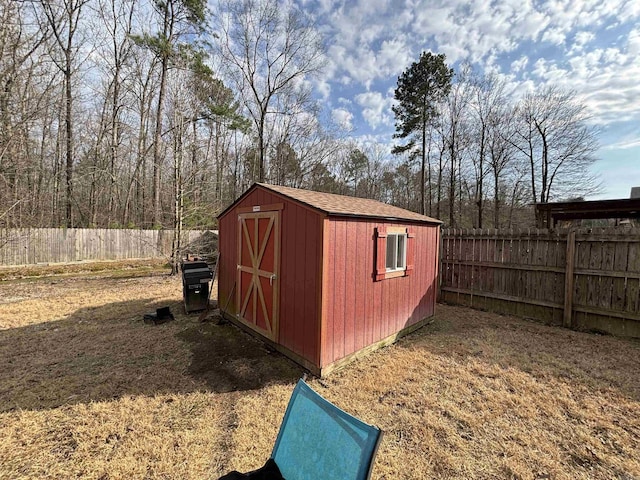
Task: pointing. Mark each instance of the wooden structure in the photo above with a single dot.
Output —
(552, 213)
(584, 279)
(324, 277)
(25, 246)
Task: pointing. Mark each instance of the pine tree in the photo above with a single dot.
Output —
(420, 88)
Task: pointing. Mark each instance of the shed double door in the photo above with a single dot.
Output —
(258, 268)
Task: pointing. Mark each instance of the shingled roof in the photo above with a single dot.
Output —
(342, 205)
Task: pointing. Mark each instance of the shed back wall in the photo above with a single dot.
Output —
(300, 270)
(359, 311)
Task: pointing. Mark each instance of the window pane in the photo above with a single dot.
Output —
(401, 257)
(391, 251)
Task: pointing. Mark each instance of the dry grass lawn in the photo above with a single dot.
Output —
(87, 390)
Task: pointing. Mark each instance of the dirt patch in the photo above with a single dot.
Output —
(227, 359)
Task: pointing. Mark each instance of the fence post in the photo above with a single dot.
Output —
(567, 319)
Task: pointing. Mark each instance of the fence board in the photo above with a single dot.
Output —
(524, 272)
(55, 245)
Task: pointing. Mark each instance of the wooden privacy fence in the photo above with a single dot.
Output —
(60, 245)
(583, 279)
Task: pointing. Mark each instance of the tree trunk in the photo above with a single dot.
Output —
(114, 144)
(496, 200)
(196, 188)
(423, 155)
(69, 133)
(156, 219)
(430, 195)
(92, 190)
(452, 186)
(440, 167)
(513, 202)
(177, 200)
(481, 178)
(261, 146)
(219, 165)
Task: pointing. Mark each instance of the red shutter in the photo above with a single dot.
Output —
(381, 252)
(411, 250)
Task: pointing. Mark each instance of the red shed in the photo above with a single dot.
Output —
(324, 277)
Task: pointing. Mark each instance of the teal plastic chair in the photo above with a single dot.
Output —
(317, 440)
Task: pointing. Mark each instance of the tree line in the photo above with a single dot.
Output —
(159, 113)
(483, 154)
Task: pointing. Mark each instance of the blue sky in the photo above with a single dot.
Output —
(592, 47)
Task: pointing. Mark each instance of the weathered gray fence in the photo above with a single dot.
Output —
(584, 279)
(54, 245)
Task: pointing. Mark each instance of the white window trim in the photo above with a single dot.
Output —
(404, 252)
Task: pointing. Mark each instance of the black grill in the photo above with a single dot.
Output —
(196, 278)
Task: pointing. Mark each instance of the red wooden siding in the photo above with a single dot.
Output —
(300, 254)
(228, 240)
(361, 311)
(301, 251)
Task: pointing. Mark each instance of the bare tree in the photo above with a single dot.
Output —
(455, 133)
(177, 19)
(558, 143)
(20, 55)
(116, 19)
(500, 152)
(63, 19)
(489, 96)
(268, 50)
(76, 143)
(309, 143)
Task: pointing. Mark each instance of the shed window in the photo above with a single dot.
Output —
(396, 252)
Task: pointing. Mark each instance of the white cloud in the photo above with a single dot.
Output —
(582, 38)
(366, 42)
(613, 55)
(394, 56)
(463, 31)
(365, 65)
(605, 78)
(554, 35)
(631, 9)
(519, 65)
(633, 43)
(323, 87)
(365, 32)
(327, 6)
(529, 23)
(547, 41)
(624, 144)
(343, 118)
(376, 109)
